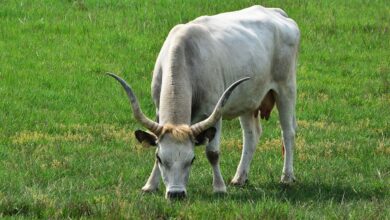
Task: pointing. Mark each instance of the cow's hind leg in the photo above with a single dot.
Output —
(250, 125)
(212, 153)
(285, 102)
(154, 179)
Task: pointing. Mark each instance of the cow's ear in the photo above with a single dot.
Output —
(145, 138)
(206, 136)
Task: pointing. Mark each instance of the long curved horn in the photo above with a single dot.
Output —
(138, 114)
(217, 113)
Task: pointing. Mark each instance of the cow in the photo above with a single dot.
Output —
(234, 64)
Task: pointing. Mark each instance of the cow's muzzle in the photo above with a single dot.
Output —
(176, 195)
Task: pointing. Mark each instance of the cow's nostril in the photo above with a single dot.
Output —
(176, 195)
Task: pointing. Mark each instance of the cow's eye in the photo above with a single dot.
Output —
(158, 159)
(192, 161)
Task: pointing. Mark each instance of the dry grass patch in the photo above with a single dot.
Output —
(383, 147)
(270, 145)
(230, 144)
(322, 125)
(76, 133)
(28, 137)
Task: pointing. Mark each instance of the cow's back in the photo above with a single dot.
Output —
(230, 46)
(253, 20)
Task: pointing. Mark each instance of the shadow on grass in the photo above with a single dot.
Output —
(301, 192)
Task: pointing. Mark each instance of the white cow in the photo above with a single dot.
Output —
(197, 63)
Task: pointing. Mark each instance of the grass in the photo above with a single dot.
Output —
(66, 143)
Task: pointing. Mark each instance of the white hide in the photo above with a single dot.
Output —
(200, 59)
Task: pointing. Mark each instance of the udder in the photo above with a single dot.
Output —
(266, 105)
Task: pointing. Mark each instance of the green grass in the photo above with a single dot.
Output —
(66, 143)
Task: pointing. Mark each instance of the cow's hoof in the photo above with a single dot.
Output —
(287, 179)
(239, 182)
(219, 189)
(149, 189)
(240, 179)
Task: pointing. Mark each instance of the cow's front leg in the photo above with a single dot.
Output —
(212, 153)
(251, 130)
(154, 179)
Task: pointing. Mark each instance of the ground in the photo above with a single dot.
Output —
(66, 130)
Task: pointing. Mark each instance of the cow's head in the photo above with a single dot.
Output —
(175, 143)
(175, 154)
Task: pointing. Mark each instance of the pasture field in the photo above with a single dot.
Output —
(67, 148)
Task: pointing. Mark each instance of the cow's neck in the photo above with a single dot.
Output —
(176, 91)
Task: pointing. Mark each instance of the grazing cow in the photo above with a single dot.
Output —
(191, 86)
